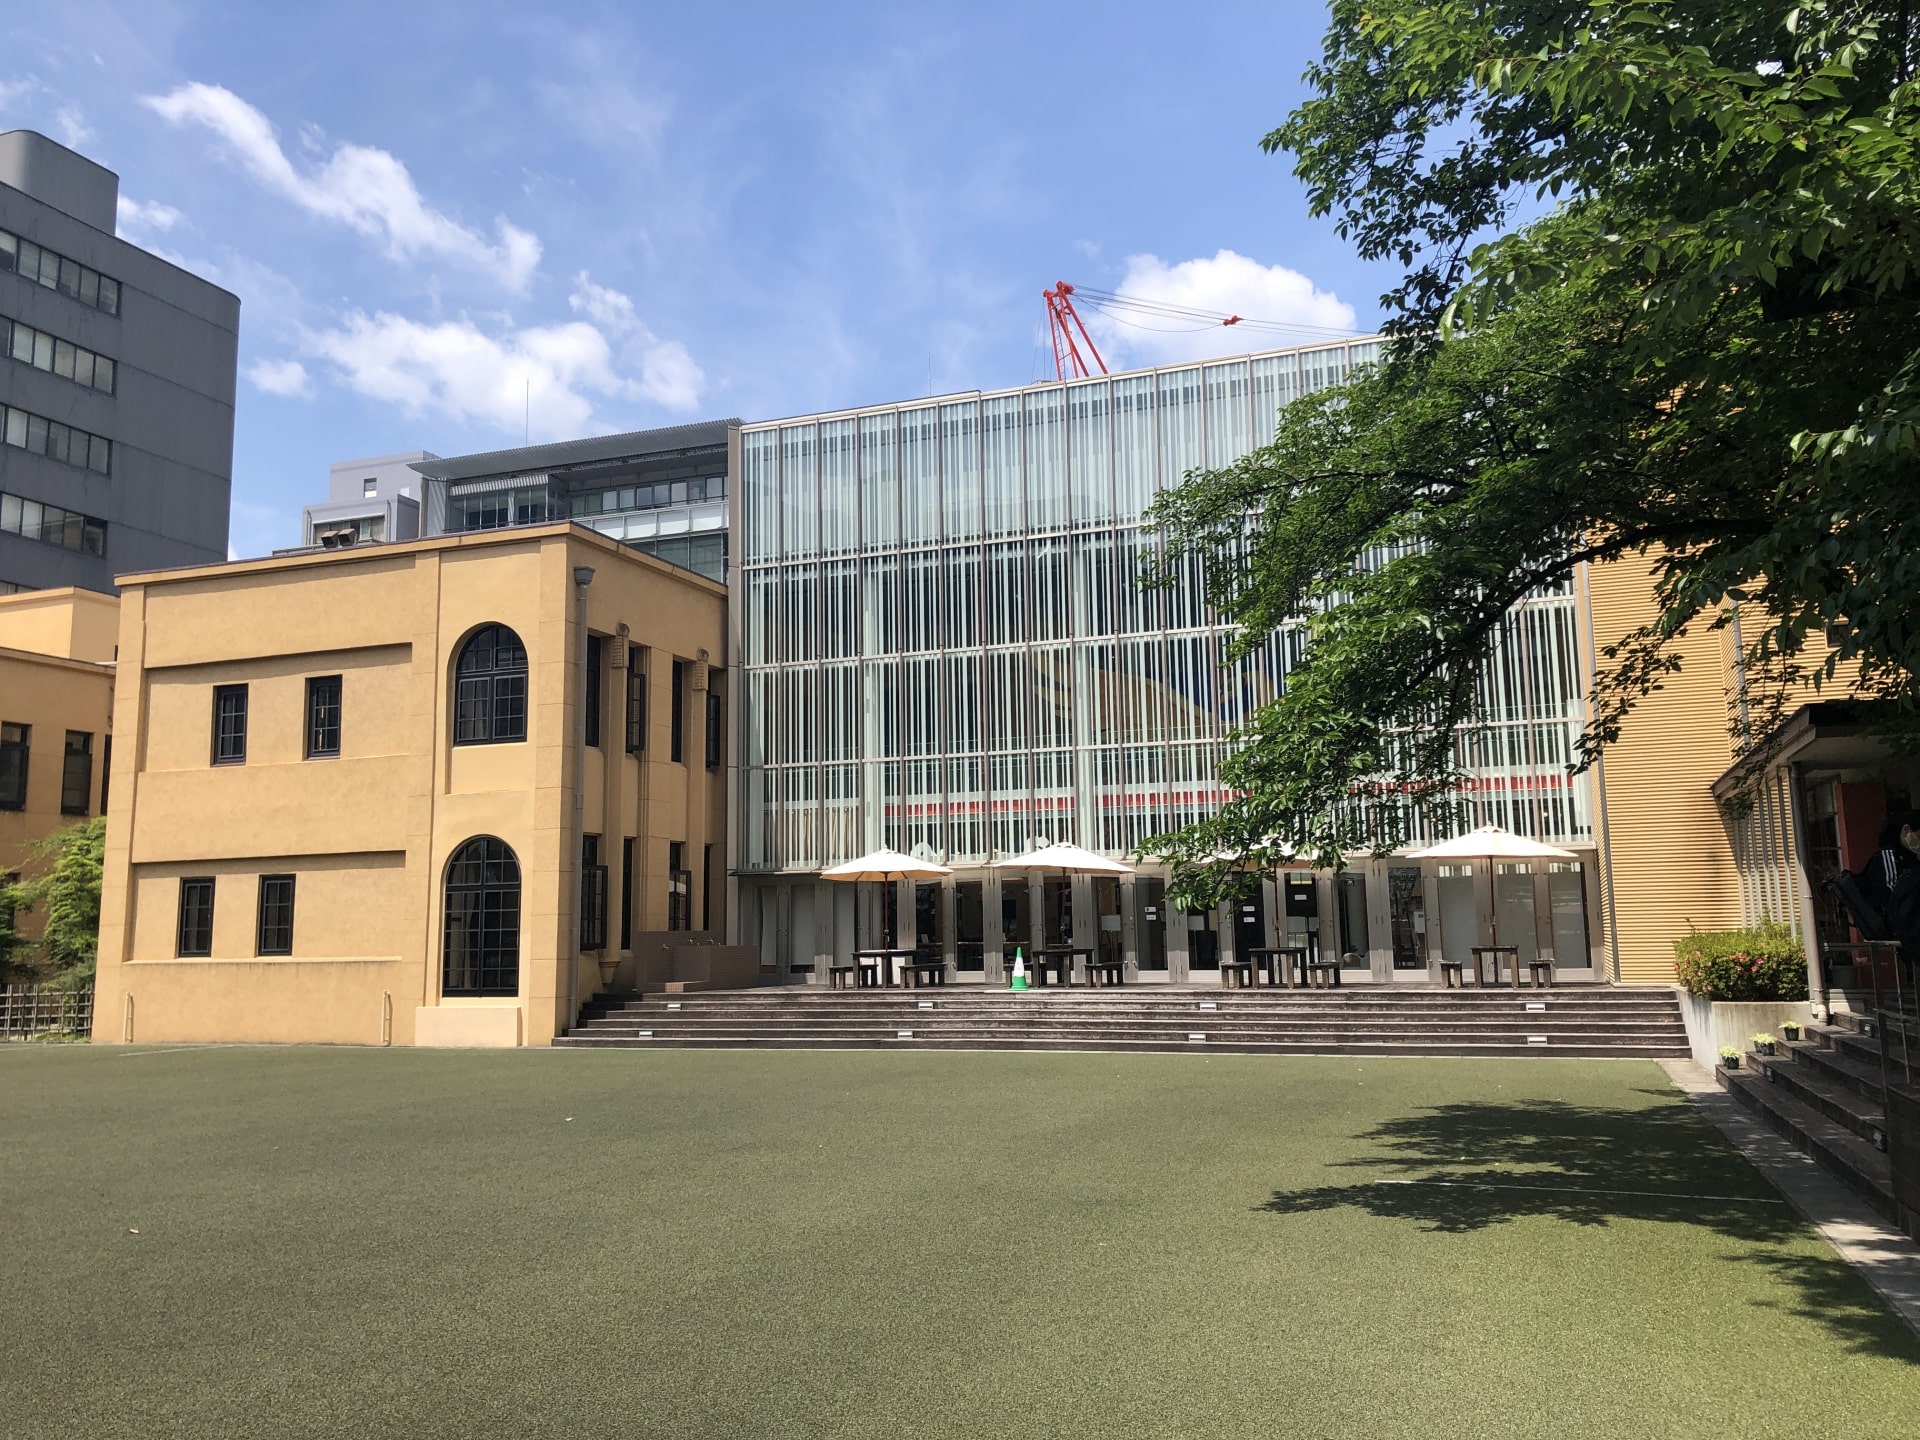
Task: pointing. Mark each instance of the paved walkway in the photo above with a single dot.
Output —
(1889, 1260)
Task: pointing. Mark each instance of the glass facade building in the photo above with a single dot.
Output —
(661, 491)
(943, 649)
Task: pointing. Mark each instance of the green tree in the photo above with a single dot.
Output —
(1705, 350)
(61, 883)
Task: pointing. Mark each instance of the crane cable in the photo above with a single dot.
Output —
(1121, 309)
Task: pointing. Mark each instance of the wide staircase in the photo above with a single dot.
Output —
(1824, 1093)
(1587, 1020)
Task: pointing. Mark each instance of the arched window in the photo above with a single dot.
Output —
(490, 688)
(482, 950)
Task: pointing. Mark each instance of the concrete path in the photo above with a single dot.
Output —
(1889, 1260)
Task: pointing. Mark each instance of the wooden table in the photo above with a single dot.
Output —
(1279, 962)
(1491, 955)
(884, 961)
(1060, 957)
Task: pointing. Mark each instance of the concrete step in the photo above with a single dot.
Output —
(1596, 1021)
(1832, 1146)
(1844, 1067)
(1332, 1045)
(1845, 1105)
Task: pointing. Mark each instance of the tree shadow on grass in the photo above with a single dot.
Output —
(1458, 1168)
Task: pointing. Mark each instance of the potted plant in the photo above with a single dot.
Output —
(1763, 1044)
(1790, 1029)
(1730, 1057)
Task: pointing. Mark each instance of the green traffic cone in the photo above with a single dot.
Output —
(1019, 971)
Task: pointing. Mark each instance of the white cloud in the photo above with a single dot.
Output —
(145, 215)
(604, 306)
(668, 374)
(552, 375)
(359, 186)
(286, 378)
(1226, 284)
(12, 92)
(73, 127)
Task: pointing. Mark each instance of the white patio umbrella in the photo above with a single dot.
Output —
(883, 866)
(1066, 859)
(1491, 843)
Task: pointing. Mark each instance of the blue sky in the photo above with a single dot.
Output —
(649, 214)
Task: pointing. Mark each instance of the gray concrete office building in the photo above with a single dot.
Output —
(117, 376)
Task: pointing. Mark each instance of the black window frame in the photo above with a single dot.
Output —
(596, 661)
(593, 895)
(324, 692)
(482, 881)
(706, 887)
(274, 910)
(636, 701)
(626, 893)
(16, 765)
(714, 745)
(677, 706)
(229, 737)
(196, 910)
(489, 694)
(77, 799)
(679, 887)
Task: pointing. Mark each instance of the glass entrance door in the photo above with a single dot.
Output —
(1350, 900)
(1407, 917)
(970, 928)
(1150, 926)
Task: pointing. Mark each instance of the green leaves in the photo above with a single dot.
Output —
(1706, 352)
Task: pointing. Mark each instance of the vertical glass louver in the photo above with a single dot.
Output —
(944, 647)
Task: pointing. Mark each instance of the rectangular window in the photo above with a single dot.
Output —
(678, 709)
(713, 730)
(229, 724)
(196, 917)
(706, 887)
(274, 935)
(76, 775)
(595, 660)
(636, 700)
(51, 525)
(58, 357)
(679, 887)
(323, 716)
(26, 431)
(37, 266)
(369, 488)
(14, 746)
(626, 893)
(593, 895)
(106, 771)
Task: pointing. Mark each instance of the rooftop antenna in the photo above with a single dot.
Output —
(1064, 321)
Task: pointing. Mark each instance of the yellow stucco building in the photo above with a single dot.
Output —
(56, 709)
(429, 793)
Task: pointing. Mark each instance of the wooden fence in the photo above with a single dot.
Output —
(30, 1010)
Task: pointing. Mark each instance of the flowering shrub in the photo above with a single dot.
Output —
(1766, 962)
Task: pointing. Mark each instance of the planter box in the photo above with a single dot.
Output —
(1714, 1024)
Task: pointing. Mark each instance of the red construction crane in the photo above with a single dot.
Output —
(1063, 320)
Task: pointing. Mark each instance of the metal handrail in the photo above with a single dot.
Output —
(1886, 1017)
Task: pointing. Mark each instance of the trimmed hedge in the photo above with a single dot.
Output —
(1765, 962)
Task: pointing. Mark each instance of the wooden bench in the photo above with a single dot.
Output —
(1323, 973)
(1242, 968)
(1538, 968)
(1453, 974)
(1109, 972)
(923, 972)
(839, 977)
(870, 974)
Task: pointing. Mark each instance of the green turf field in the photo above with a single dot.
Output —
(539, 1243)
